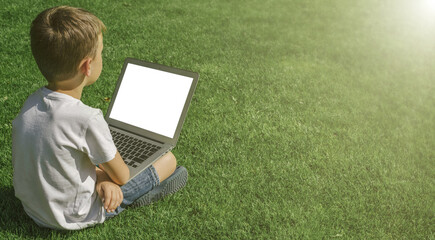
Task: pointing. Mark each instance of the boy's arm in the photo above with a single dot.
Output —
(117, 170)
(109, 192)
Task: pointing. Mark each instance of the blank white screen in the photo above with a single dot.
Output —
(151, 99)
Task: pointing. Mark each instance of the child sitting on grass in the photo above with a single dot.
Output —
(57, 140)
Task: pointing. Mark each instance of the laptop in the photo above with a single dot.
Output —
(147, 111)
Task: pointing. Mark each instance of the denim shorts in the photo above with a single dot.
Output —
(135, 188)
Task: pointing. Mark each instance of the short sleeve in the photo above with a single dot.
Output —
(98, 141)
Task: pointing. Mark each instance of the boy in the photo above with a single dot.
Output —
(57, 140)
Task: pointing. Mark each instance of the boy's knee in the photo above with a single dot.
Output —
(172, 161)
(165, 166)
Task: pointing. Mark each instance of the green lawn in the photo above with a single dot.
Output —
(311, 119)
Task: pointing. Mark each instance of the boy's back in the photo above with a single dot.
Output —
(57, 135)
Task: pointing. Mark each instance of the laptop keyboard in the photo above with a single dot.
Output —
(133, 151)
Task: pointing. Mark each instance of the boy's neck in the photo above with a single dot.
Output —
(71, 87)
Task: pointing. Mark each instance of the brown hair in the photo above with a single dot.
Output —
(61, 37)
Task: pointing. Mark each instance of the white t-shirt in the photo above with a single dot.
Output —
(56, 143)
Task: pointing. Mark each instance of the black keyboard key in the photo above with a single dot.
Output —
(139, 159)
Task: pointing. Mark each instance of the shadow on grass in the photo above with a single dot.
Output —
(14, 222)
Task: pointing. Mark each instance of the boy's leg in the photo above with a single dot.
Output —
(172, 179)
(146, 181)
(165, 166)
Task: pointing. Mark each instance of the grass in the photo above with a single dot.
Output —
(311, 119)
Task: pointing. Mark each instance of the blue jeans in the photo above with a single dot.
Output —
(135, 188)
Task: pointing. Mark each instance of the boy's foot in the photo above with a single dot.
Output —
(172, 184)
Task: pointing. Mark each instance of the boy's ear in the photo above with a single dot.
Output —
(85, 67)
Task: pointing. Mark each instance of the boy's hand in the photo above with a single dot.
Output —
(109, 192)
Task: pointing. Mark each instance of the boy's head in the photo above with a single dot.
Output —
(61, 37)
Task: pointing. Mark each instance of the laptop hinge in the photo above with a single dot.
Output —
(140, 135)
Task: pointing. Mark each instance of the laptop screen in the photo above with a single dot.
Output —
(151, 99)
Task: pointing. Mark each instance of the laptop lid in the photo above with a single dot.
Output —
(151, 100)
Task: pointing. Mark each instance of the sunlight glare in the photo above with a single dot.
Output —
(427, 10)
